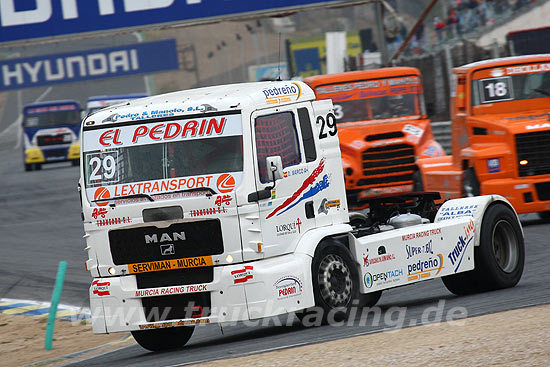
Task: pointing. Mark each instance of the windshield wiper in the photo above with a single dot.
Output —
(542, 91)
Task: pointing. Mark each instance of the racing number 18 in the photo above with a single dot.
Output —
(329, 123)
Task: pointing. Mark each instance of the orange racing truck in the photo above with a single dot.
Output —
(383, 128)
(500, 112)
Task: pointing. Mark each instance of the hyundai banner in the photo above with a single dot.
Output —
(84, 65)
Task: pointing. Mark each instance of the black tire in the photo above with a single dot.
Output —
(545, 216)
(37, 166)
(75, 162)
(499, 258)
(470, 184)
(157, 340)
(29, 167)
(418, 185)
(335, 282)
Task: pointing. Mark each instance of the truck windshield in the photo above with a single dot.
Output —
(374, 99)
(51, 118)
(513, 83)
(156, 158)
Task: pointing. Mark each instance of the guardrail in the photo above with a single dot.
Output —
(442, 133)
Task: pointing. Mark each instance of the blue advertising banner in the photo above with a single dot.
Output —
(84, 65)
(28, 19)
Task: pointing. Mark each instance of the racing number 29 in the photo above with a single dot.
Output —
(327, 123)
(106, 164)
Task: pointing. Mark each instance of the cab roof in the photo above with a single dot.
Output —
(208, 99)
(503, 61)
(351, 76)
(53, 103)
(117, 96)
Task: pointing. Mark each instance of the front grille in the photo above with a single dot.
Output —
(45, 140)
(390, 135)
(182, 306)
(389, 164)
(535, 149)
(199, 275)
(51, 153)
(543, 190)
(180, 240)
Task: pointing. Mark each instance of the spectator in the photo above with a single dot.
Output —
(439, 25)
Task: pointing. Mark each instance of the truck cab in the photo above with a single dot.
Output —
(383, 129)
(51, 133)
(227, 203)
(500, 111)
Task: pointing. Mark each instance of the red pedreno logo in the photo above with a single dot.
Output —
(102, 193)
(226, 183)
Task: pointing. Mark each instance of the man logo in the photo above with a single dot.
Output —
(102, 193)
(368, 280)
(226, 183)
(167, 249)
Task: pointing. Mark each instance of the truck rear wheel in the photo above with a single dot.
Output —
(29, 167)
(499, 258)
(470, 184)
(157, 340)
(335, 281)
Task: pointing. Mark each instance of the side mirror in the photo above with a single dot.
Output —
(275, 171)
(274, 165)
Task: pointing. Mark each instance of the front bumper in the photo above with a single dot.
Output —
(238, 292)
(527, 195)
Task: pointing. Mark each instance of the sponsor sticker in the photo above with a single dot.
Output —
(168, 324)
(101, 288)
(289, 228)
(288, 286)
(190, 262)
(457, 254)
(368, 280)
(171, 290)
(424, 268)
(243, 275)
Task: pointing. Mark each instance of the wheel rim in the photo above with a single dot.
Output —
(335, 281)
(505, 246)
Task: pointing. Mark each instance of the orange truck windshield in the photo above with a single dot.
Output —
(374, 99)
(522, 87)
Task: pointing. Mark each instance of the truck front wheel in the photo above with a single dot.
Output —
(157, 340)
(335, 281)
(498, 259)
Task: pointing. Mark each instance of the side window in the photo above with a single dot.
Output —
(307, 134)
(276, 135)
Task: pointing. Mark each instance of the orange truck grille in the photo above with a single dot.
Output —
(535, 149)
(386, 165)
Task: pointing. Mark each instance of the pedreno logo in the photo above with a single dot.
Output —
(225, 183)
(102, 193)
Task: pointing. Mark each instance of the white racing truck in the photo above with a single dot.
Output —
(228, 203)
